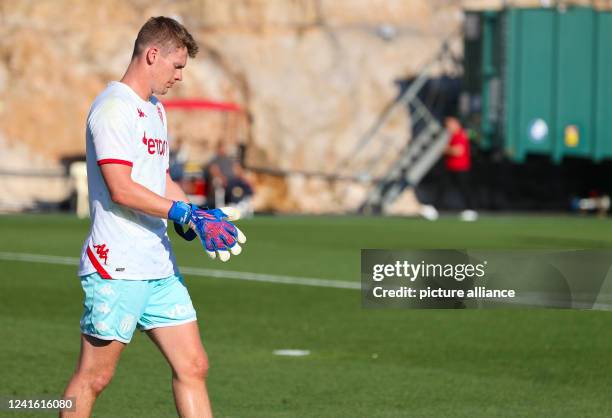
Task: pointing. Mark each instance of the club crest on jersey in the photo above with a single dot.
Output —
(102, 252)
(155, 145)
(161, 115)
(141, 114)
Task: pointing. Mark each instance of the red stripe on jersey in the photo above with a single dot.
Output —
(115, 161)
(103, 273)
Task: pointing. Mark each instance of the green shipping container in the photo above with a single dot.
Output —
(575, 83)
(556, 82)
(602, 147)
(530, 82)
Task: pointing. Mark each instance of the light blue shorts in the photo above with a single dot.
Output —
(115, 308)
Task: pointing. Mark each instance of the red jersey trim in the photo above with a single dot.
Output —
(115, 161)
(103, 273)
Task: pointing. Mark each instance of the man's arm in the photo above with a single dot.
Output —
(454, 150)
(126, 192)
(174, 191)
(217, 233)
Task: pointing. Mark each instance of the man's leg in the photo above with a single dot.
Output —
(443, 186)
(463, 182)
(95, 368)
(182, 347)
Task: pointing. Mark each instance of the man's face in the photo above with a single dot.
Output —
(167, 69)
(452, 125)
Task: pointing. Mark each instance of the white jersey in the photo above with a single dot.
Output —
(122, 128)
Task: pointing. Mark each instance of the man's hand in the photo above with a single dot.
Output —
(214, 227)
(217, 232)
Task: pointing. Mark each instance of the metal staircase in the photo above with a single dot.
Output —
(416, 156)
(413, 162)
(420, 153)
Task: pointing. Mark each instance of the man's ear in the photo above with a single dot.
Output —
(152, 54)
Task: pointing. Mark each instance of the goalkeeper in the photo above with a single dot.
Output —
(128, 270)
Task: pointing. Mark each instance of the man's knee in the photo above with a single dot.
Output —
(97, 380)
(193, 368)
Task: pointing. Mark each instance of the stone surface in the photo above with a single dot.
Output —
(311, 76)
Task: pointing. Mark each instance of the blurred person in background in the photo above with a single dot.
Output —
(217, 173)
(239, 191)
(221, 174)
(179, 154)
(458, 163)
(128, 269)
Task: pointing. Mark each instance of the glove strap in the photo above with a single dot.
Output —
(188, 235)
(179, 212)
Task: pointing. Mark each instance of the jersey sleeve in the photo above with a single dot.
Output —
(111, 127)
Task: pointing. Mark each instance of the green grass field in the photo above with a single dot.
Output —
(363, 363)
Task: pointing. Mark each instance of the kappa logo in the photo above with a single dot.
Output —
(102, 252)
(103, 308)
(106, 290)
(155, 145)
(141, 114)
(102, 326)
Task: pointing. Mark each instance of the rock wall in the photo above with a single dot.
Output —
(311, 75)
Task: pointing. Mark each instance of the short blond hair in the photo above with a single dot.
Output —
(165, 32)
